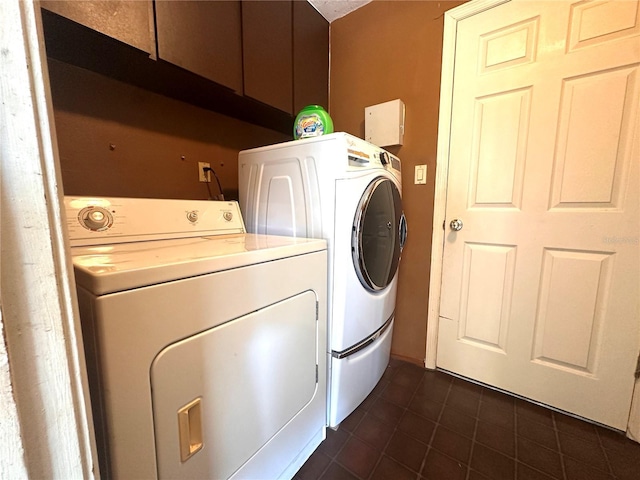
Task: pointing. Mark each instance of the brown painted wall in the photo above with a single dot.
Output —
(383, 51)
(150, 133)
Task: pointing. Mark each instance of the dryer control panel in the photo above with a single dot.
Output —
(102, 220)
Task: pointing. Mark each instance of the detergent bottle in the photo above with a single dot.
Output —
(312, 121)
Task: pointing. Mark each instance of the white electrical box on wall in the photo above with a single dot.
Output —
(384, 123)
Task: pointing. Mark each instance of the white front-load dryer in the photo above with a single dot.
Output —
(204, 345)
(347, 191)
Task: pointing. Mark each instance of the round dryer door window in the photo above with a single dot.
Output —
(379, 232)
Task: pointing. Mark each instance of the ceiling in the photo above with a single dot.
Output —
(334, 9)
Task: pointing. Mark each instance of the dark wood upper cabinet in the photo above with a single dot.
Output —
(202, 37)
(129, 22)
(310, 57)
(259, 61)
(267, 39)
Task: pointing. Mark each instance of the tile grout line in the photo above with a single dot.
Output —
(475, 431)
(352, 433)
(437, 424)
(606, 454)
(558, 450)
(334, 459)
(395, 427)
(405, 412)
(556, 430)
(406, 409)
(515, 439)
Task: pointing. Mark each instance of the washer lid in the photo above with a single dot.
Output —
(106, 269)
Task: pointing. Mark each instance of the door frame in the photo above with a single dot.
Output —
(49, 431)
(451, 19)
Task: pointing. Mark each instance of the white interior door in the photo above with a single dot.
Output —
(540, 286)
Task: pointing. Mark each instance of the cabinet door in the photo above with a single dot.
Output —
(267, 52)
(127, 21)
(202, 37)
(310, 57)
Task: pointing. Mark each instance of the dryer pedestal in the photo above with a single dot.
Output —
(354, 377)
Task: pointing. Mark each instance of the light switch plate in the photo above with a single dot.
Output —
(420, 175)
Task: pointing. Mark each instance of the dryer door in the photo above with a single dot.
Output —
(223, 399)
(379, 233)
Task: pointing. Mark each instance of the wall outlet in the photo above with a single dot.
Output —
(202, 175)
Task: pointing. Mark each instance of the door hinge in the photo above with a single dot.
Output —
(317, 310)
(638, 368)
(316, 373)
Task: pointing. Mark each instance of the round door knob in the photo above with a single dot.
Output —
(456, 224)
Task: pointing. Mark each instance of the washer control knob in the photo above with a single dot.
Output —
(192, 216)
(384, 158)
(95, 219)
(228, 216)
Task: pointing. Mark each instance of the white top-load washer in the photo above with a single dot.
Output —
(347, 191)
(204, 344)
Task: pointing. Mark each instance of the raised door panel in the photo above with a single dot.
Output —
(487, 286)
(572, 304)
(129, 22)
(593, 145)
(267, 52)
(500, 128)
(202, 37)
(310, 57)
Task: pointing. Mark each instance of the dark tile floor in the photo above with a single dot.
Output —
(421, 424)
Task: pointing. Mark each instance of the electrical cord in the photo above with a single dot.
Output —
(209, 190)
(209, 169)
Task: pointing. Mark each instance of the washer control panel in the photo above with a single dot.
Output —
(362, 154)
(97, 221)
